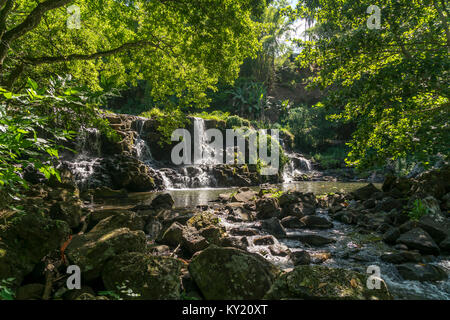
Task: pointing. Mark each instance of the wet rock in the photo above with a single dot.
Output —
(365, 193)
(320, 257)
(420, 240)
(319, 282)
(280, 251)
(445, 244)
(163, 201)
(267, 208)
(263, 241)
(299, 210)
(33, 291)
(421, 272)
(399, 184)
(247, 232)
(131, 174)
(69, 211)
(314, 222)
(408, 226)
(437, 229)
(292, 222)
(274, 227)
(391, 235)
(300, 258)
(231, 274)
(312, 239)
(235, 242)
(145, 277)
(92, 250)
(401, 257)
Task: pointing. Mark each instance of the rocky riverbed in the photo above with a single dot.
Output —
(247, 243)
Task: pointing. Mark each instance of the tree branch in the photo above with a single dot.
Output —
(91, 56)
(4, 14)
(30, 22)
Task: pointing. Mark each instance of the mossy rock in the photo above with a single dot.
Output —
(25, 238)
(123, 219)
(203, 220)
(143, 277)
(232, 274)
(91, 251)
(319, 282)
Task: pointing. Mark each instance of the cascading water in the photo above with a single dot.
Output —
(296, 167)
(87, 158)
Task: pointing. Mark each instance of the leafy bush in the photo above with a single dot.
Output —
(418, 210)
(237, 122)
(168, 121)
(5, 289)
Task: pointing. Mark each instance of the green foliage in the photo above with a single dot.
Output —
(236, 122)
(331, 158)
(181, 48)
(392, 82)
(418, 210)
(5, 289)
(168, 121)
(248, 97)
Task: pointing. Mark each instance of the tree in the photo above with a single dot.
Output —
(392, 81)
(182, 47)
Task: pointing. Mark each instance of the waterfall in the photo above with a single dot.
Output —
(296, 166)
(141, 148)
(88, 157)
(203, 153)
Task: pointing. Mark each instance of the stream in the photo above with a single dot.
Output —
(351, 250)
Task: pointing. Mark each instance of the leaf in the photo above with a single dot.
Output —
(32, 84)
(354, 283)
(321, 285)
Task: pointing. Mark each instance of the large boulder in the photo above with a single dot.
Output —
(25, 238)
(231, 274)
(122, 219)
(315, 222)
(420, 240)
(274, 227)
(314, 240)
(366, 192)
(421, 272)
(163, 201)
(143, 277)
(68, 210)
(92, 250)
(267, 208)
(131, 174)
(319, 282)
(438, 229)
(244, 196)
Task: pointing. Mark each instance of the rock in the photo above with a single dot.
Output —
(247, 232)
(123, 219)
(434, 182)
(369, 204)
(401, 257)
(231, 274)
(74, 294)
(263, 241)
(391, 235)
(300, 258)
(279, 250)
(400, 184)
(173, 236)
(438, 230)
(145, 277)
(421, 272)
(235, 242)
(33, 291)
(292, 222)
(312, 239)
(245, 196)
(319, 282)
(274, 227)
(106, 193)
(267, 208)
(92, 250)
(193, 241)
(314, 222)
(433, 209)
(408, 226)
(69, 211)
(25, 238)
(163, 201)
(130, 173)
(299, 210)
(445, 244)
(388, 204)
(366, 192)
(420, 240)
